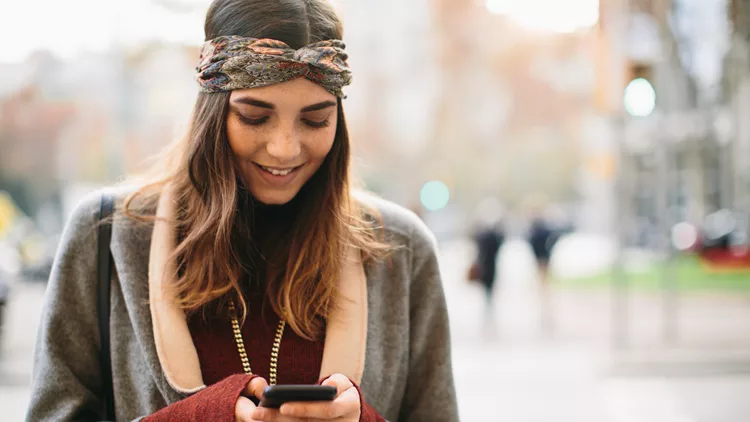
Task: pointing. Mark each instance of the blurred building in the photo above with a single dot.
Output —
(391, 103)
(736, 98)
(682, 161)
(451, 91)
(90, 120)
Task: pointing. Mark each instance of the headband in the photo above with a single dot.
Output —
(233, 62)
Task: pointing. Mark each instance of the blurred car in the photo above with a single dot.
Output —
(38, 255)
(722, 243)
(24, 250)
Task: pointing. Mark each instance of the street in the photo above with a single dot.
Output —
(513, 368)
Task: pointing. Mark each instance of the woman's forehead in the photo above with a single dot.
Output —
(292, 95)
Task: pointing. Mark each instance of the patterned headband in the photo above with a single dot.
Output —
(232, 62)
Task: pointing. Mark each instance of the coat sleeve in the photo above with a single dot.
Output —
(66, 380)
(430, 391)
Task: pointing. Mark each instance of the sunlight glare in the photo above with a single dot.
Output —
(549, 15)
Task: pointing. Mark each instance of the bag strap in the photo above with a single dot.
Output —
(104, 271)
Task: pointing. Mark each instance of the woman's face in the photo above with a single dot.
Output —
(279, 135)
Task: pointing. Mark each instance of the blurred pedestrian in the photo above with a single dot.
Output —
(249, 260)
(542, 237)
(488, 240)
(489, 237)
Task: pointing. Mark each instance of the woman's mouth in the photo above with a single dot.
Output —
(277, 176)
(277, 171)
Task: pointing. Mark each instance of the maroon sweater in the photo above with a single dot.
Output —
(299, 363)
(299, 359)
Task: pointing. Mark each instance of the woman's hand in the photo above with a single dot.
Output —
(345, 407)
(243, 409)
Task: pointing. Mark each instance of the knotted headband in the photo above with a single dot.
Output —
(233, 62)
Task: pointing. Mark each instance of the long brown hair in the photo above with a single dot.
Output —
(199, 170)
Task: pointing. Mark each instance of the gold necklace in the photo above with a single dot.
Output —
(241, 345)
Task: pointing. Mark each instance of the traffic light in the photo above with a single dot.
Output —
(639, 96)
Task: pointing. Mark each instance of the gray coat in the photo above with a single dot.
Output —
(406, 370)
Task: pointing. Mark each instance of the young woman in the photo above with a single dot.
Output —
(248, 260)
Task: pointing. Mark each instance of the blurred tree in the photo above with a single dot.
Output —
(739, 11)
(29, 129)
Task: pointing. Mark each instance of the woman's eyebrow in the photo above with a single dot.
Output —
(319, 106)
(253, 102)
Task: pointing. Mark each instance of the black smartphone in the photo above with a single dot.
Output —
(276, 395)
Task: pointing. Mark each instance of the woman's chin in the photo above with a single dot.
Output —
(273, 198)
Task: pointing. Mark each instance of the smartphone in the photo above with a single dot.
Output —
(276, 395)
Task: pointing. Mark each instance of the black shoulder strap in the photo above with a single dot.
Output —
(104, 271)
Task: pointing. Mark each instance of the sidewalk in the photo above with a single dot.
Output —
(523, 375)
(18, 337)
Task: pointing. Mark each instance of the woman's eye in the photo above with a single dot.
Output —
(252, 122)
(317, 124)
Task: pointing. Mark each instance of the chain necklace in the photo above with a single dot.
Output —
(241, 345)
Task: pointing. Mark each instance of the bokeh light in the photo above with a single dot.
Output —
(435, 195)
(639, 98)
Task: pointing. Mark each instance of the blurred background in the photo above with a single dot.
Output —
(586, 161)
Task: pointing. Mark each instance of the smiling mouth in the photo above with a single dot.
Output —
(278, 171)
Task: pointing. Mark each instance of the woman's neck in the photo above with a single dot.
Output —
(264, 216)
(263, 233)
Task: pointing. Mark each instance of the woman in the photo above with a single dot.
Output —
(252, 241)
(542, 237)
(489, 239)
(489, 236)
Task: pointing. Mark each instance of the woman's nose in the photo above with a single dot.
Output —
(284, 146)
